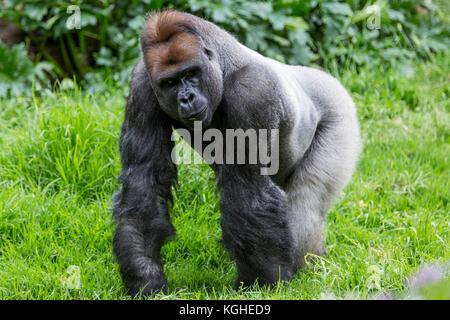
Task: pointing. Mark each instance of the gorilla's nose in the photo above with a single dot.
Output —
(188, 108)
(186, 99)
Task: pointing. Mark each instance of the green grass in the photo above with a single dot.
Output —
(59, 162)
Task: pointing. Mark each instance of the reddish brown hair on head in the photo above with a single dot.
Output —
(168, 41)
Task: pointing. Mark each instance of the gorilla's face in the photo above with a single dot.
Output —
(191, 91)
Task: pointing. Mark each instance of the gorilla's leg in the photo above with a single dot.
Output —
(306, 218)
(317, 180)
(254, 225)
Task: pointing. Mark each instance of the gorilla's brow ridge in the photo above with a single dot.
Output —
(162, 26)
(168, 41)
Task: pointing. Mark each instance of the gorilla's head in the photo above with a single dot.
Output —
(186, 76)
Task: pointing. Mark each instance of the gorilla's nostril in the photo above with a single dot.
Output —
(184, 100)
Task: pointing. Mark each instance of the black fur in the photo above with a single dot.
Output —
(254, 223)
(140, 208)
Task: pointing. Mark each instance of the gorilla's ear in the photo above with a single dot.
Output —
(208, 53)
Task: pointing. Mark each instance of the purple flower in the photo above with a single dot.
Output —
(426, 275)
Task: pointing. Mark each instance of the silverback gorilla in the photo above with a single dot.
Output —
(192, 70)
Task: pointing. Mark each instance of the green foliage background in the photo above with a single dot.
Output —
(320, 32)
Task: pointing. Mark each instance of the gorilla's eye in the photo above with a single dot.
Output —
(170, 82)
(190, 73)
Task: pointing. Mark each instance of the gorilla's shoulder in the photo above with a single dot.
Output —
(252, 97)
(254, 82)
(140, 76)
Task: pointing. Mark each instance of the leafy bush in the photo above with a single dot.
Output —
(17, 72)
(293, 31)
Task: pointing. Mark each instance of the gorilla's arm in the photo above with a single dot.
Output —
(254, 209)
(254, 225)
(140, 207)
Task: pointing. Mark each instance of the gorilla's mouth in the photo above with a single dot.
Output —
(198, 115)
